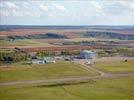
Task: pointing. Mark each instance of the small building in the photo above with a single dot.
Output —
(49, 60)
(45, 60)
(86, 54)
(87, 63)
(38, 61)
(58, 57)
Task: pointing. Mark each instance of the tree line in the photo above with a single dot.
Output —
(112, 35)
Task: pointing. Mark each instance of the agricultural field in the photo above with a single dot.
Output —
(23, 42)
(81, 39)
(50, 40)
(104, 89)
(115, 66)
(61, 69)
(97, 39)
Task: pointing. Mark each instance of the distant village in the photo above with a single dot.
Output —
(35, 59)
(84, 54)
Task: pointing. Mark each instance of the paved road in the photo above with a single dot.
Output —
(66, 80)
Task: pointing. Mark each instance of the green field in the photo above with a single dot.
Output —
(105, 89)
(23, 42)
(20, 71)
(115, 66)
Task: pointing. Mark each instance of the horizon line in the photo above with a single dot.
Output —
(62, 25)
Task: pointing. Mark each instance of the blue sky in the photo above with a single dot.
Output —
(67, 12)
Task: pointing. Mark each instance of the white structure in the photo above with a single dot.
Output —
(58, 57)
(88, 62)
(86, 54)
(38, 61)
(43, 61)
(49, 60)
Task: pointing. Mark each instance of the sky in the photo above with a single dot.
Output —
(66, 12)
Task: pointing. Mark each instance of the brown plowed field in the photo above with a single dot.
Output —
(70, 33)
(22, 32)
(61, 48)
(50, 40)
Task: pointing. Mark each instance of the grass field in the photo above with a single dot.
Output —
(20, 71)
(24, 42)
(115, 66)
(105, 89)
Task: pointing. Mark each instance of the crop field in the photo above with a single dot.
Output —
(66, 40)
(97, 39)
(61, 69)
(50, 40)
(105, 89)
(67, 32)
(115, 66)
(24, 42)
(39, 31)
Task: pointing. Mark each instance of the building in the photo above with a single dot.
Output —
(86, 54)
(49, 60)
(67, 59)
(45, 60)
(38, 61)
(58, 57)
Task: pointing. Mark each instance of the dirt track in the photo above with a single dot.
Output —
(65, 80)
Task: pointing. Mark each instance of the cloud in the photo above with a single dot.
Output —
(44, 8)
(51, 15)
(17, 9)
(60, 7)
(3, 13)
(25, 5)
(10, 5)
(97, 11)
(51, 10)
(132, 5)
(111, 8)
(8, 8)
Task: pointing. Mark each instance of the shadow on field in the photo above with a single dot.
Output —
(65, 83)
